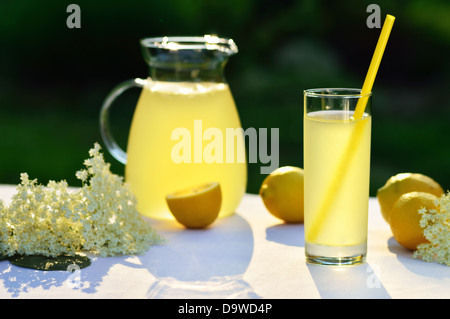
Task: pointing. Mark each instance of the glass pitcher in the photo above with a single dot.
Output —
(185, 129)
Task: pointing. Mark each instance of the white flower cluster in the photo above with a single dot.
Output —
(436, 228)
(100, 217)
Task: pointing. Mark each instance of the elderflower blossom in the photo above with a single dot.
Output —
(3, 229)
(436, 228)
(111, 223)
(100, 217)
(41, 220)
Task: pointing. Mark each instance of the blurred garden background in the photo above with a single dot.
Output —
(53, 79)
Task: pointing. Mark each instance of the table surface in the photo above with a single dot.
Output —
(250, 254)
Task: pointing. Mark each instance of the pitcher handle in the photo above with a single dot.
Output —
(107, 136)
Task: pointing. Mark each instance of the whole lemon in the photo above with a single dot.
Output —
(403, 183)
(196, 207)
(282, 193)
(405, 218)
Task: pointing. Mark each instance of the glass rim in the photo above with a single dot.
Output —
(205, 42)
(335, 92)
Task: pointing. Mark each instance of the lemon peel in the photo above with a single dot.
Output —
(403, 183)
(405, 219)
(283, 194)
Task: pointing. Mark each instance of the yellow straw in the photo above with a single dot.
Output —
(373, 68)
(356, 136)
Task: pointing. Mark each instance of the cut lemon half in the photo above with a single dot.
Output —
(196, 207)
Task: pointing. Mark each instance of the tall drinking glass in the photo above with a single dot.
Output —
(337, 169)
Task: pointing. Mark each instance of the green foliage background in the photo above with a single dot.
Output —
(53, 79)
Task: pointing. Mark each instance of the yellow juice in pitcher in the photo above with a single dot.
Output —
(161, 161)
(328, 136)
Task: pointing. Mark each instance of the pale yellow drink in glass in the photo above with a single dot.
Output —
(165, 107)
(337, 169)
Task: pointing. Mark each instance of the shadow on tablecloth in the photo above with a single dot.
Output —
(29, 283)
(417, 266)
(24, 282)
(353, 282)
(207, 263)
(19, 280)
(287, 234)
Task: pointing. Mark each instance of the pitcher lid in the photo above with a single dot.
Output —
(206, 42)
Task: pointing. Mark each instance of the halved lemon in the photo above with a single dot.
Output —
(196, 207)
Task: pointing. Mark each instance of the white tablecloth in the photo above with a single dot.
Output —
(248, 255)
